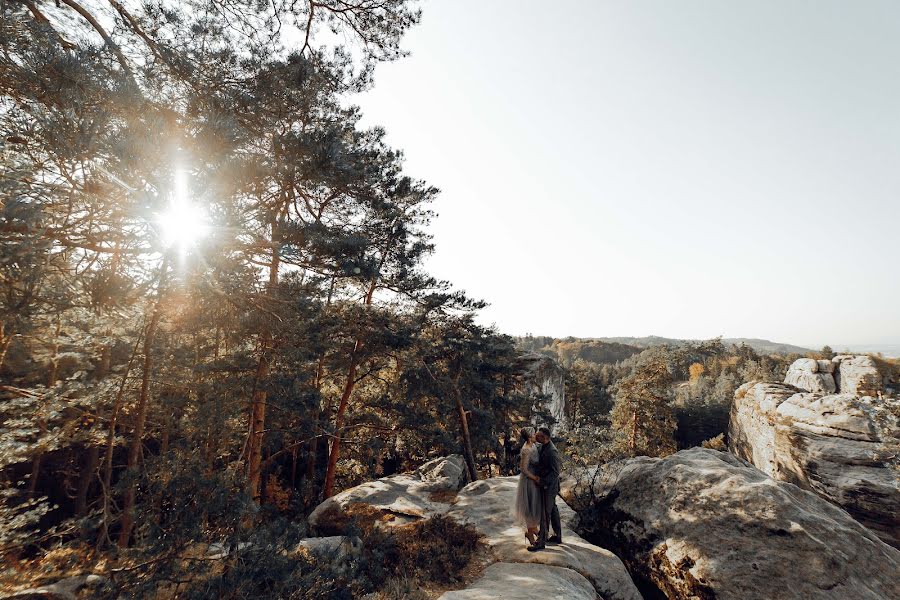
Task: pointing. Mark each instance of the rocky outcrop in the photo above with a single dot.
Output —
(545, 380)
(703, 524)
(845, 373)
(574, 569)
(486, 505)
(812, 375)
(857, 375)
(402, 498)
(841, 446)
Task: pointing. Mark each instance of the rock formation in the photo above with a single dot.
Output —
(703, 524)
(842, 446)
(402, 498)
(546, 379)
(487, 506)
(575, 569)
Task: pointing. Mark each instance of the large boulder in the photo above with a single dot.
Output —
(841, 446)
(487, 505)
(811, 375)
(703, 524)
(857, 375)
(401, 499)
(845, 373)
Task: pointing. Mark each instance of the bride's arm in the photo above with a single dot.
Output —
(528, 472)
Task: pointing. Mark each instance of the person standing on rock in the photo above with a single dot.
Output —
(548, 470)
(528, 509)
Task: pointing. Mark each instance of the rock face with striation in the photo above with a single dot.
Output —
(546, 379)
(702, 524)
(842, 446)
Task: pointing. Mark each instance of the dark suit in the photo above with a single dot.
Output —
(548, 468)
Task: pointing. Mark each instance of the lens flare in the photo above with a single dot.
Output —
(183, 224)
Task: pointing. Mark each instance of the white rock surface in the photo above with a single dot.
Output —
(857, 374)
(486, 505)
(404, 498)
(840, 446)
(702, 524)
(511, 581)
(805, 374)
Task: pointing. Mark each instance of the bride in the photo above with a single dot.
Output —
(528, 495)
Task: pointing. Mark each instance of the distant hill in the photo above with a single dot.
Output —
(761, 346)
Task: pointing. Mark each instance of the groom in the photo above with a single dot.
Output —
(548, 469)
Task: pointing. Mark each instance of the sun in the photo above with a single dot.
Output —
(183, 224)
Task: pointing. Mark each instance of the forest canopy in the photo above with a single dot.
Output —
(214, 310)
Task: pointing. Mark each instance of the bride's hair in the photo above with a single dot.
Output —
(526, 433)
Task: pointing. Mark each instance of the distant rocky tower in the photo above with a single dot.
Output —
(829, 428)
(545, 382)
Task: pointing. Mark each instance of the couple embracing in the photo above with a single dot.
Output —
(535, 508)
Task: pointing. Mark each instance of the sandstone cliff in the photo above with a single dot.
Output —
(702, 524)
(818, 431)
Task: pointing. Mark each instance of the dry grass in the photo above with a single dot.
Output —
(337, 521)
(444, 496)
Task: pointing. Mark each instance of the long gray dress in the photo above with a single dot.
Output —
(527, 511)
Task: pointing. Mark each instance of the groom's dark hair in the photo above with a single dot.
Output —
(545, 431)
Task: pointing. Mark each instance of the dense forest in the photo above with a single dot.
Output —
(214, 312)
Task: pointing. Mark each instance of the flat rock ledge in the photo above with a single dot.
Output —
(487, 506)
(515, 581)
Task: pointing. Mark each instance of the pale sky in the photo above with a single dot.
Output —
(685, 169)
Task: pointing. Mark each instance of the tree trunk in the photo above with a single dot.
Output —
(334, 453)
(53, 371)
(313, 447)
(134, 449)
(110, 442)
(256, 435)
(36, 465)
(5, 341)
(87, 477)
(634, 428)
(467, 440)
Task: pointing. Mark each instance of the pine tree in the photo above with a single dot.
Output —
(642, 413)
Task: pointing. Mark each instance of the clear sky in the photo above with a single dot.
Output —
(685, 169)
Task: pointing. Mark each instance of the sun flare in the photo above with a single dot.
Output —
(183, 224)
